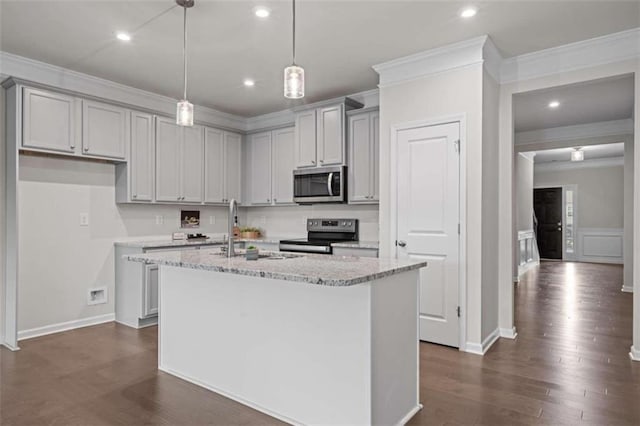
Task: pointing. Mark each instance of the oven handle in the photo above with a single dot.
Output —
(305, 248)
(329, 182)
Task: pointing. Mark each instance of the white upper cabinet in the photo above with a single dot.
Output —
(320, 134)
(214, 160)
(141, 165)
(233, 166)
(305, 139)
(48, 121)
(168, 153)
(364, 160)
(192, 164)
(282, 149)
(260, 163)
(331, 146)
(223, 166)
(104, 130)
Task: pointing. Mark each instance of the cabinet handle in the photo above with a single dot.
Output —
(313, 161)
(268, 200)
(321, 161)
(86, 148)
(275, 200)
(178, 198)
(72, 146)
(135, 196)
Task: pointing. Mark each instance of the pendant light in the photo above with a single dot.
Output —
(184, 113)
(294, 74)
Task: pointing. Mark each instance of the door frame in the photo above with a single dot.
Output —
(573, 188)
(462, 204)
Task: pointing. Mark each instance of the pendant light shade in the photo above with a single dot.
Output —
(184, 113)
(294, 82)
(184, 110)
(294, 74)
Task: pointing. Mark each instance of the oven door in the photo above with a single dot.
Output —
(320, 185)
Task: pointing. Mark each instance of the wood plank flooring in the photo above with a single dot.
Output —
(569, 365)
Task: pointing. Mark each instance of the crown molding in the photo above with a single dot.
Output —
(434, 61)
(579, 131)
(611, 48)
(573, 165)
(492, 59)
(54, 76)
(530, 156)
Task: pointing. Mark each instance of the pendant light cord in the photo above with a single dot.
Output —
(184, 53)
(294, 32)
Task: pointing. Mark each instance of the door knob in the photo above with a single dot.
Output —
(402, 243)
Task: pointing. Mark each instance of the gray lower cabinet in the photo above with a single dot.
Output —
(354, 251)
(136, 298)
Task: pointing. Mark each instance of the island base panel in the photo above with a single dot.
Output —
(304, 353)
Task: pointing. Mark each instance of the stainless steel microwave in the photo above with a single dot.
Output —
(320, 185)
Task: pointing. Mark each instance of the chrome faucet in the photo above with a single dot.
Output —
(233, 219)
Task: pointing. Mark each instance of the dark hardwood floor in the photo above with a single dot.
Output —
(569, 365)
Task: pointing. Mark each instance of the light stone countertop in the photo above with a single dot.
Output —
(372, 245)
(313, 269)
(166, 242)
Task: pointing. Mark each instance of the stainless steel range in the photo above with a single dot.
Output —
(321, 233)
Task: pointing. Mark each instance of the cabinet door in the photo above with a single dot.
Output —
(360, 161)
(150, 291)
(168, 152)
(331, 135)
(261, 169)
(48, 121)
(192, 166)
(375, 155)
(141, 161)
(283, 165)
(214, 166)
(305, 139)
(233, 166)
(104, 130)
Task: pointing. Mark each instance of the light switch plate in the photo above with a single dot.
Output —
(84, 219)
(159, 219)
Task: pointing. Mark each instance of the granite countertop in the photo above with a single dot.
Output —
(313, 269)
(374, 245)
(165, 242)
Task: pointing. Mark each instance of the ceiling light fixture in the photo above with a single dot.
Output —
(468, 12)
(577, 154)
(249, 83)
(262, 12)
(122, 36)
(294, 74)
(554, 104)
(184, 113)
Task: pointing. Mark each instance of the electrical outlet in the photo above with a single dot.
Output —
(212, 220)
(84, 219)
(263, 220)
(159, 220)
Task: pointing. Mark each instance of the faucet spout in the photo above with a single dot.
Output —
(233, 219)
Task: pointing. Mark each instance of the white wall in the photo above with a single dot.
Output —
(60, 260)
(290, 222)
(2, 209)
(455, 92)
(600, 193)
(628, 215)
(490, 225)
(524, 192)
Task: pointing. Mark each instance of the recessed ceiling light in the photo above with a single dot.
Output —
(468, 12)
(121, 35)
(554, 104)
(262, 12)
(249, 83)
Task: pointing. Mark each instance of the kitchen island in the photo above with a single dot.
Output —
(308, 339)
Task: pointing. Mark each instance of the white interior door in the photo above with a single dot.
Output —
(428, 216)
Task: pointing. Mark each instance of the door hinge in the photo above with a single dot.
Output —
(456, 144)
(458, 311)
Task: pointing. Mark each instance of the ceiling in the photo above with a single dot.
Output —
(591, 152)
(338, 41)
(583, 103)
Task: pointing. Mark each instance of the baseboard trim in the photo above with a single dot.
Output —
(410, 415)
(482, 348)
(65, 326)
(627, 289)
(634, 354)
(508, 333)
(10, 347)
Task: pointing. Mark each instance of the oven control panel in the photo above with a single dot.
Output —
(332, 225)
